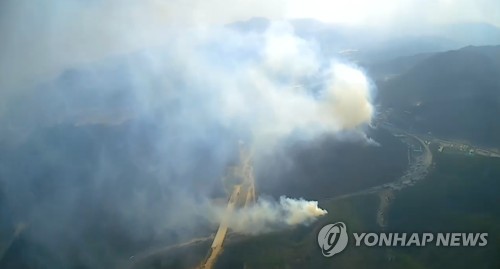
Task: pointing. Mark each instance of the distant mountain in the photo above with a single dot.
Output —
(256, 24)
(475, 34)
(454, 94)
(369, 46)
(385, 70)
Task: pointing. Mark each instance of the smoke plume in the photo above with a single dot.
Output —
(127, 136)
(266, 215)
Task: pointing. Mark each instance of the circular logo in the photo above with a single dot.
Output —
(332, 238)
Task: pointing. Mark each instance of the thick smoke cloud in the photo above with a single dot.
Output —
(265, 96)
(282, 88)
(43, 38)
(127, 137)
(267, 216)
(118, 118)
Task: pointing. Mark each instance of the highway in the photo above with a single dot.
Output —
(419, 162)
(243, 191)
(220, 235)
(463, 146)
(20, 227)
(418, 166)
(242, 195)
(137, 260)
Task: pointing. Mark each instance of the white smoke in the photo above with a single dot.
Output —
(183, 82)
(266, 87)
(262, 87)
(283, 88)
(266, 215)
(200, 88)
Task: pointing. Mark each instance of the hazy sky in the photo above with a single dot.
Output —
(386, 12)
(199, 87)
(40, 38)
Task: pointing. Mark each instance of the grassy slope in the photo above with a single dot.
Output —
(460, 195)
(458, 93)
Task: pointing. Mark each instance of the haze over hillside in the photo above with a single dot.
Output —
(455, 94)
(140, 131)
(371, 45)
